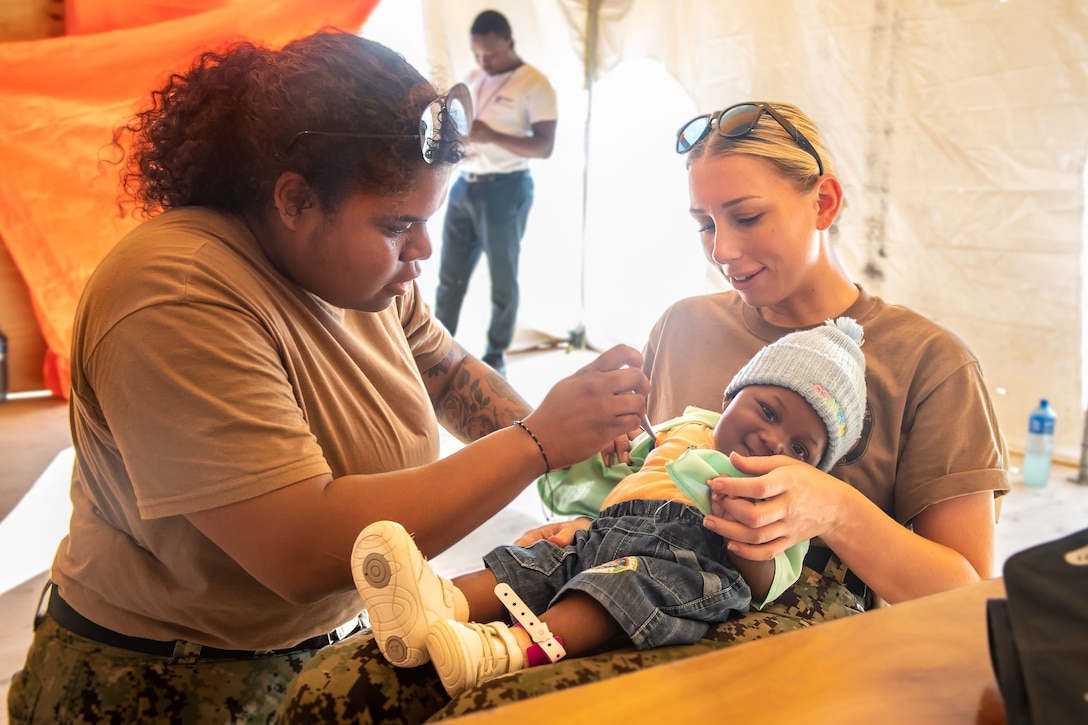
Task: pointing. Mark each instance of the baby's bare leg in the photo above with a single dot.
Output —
(584, 625)
(479, 589)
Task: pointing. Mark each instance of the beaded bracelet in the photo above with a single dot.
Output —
(547, 466)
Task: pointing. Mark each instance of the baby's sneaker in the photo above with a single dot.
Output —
(402, 594)
(467, 654)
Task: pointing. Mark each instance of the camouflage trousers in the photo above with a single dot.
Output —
(352, 682)
(71, 679)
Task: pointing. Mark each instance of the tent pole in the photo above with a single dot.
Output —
(589, 63)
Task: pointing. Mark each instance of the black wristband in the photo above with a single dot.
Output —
(547, 466)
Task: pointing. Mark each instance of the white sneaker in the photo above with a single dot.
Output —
(402, 594)
(467, 654)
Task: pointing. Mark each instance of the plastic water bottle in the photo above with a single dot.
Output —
(1040, 445)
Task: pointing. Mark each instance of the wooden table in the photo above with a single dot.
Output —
(925, 661)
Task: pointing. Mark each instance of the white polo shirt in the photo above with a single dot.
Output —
(509, 103)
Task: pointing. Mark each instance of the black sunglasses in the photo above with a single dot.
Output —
(737, 121)
(442, 128)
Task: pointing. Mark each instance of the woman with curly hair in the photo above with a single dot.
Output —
(255, 379)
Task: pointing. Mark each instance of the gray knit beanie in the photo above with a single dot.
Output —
(826, 367)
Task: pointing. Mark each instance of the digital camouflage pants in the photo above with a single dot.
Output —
(69, 679)
(352, 682)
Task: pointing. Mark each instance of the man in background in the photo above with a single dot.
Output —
(515, 114)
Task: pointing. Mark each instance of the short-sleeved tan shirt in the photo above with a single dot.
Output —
(201, 376)
(929, 434)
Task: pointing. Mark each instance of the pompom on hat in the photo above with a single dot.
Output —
(826, 367)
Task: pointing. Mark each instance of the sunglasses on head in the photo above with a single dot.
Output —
(737, 121)
(442, 128)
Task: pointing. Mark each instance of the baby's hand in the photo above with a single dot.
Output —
(560, 533)
(717, 505)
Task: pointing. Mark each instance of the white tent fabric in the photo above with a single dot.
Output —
(958, 129)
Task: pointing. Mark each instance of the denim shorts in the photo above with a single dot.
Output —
(651, 564)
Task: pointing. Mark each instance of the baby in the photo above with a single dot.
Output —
(646, 571)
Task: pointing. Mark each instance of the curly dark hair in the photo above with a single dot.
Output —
(221, 134)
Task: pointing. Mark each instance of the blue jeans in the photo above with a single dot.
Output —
(661, 575)
(484, 217)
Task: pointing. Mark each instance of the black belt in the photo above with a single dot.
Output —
(482, 178)
(76, 623)
(817, 559)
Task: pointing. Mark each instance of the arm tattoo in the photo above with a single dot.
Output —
(443, 366)
(476, 406)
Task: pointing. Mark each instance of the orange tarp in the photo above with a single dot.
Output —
(62, 98)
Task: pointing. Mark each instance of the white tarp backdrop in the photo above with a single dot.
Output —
(958, 128)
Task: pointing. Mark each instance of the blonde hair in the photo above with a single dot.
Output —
(770, 141)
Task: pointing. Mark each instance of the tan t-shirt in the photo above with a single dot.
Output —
(929, 433)
(201, 376)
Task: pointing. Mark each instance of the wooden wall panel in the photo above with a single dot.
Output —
(26, 348)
